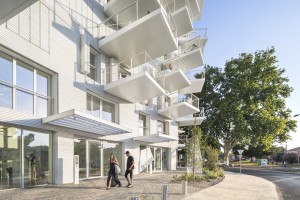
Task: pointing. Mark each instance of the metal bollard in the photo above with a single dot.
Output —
(133, 198)
(164, 192)
(184, 187)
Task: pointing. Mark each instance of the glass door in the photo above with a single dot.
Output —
(158, 159)
(36, 154)
(80, 149)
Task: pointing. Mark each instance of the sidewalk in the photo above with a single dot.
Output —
(240, 187)
(149, 187)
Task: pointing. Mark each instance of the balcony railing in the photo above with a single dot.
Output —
(116, 21)
(166, 101)
(183, 139)
(201, 113)
(196, 33)
(189, 46)
(134, 65)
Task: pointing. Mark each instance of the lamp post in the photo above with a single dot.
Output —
(298, 150)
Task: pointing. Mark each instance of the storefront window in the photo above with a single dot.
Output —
(10, 157)
(165, 159)
(36, 160)
(158, 159)
(36, 154)
(95, 158)
(108, 148)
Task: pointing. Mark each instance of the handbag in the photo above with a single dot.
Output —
(117, 169)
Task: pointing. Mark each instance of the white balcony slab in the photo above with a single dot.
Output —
(182, 21)
(195, 87)
(155, 138)
(11, 8)
(129, 10)
(175, 80)
(77, 120)
(178, 110)
(135, 88)
(196, 8)
(151, 34)
(189, 120)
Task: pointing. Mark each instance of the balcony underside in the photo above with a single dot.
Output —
(155, 138)
(79, 121)
(190, 59)
(189, 120)
(203, 40)
(195, 87)
(178, 110)
(182, 21)
(175, 80)
(135, 88)
(150, 34)
(11, 8)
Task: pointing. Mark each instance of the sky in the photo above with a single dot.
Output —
(237, 26)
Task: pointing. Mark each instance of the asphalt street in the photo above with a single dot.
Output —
(287, 183)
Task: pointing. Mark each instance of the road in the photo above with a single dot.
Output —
(288, 184)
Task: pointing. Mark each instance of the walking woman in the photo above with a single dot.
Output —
(112, 171)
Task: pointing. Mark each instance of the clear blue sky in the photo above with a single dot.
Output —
(236, 26)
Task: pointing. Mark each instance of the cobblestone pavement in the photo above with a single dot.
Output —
(145, 187)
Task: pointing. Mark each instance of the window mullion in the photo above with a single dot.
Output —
(14, 83)
(34, 92)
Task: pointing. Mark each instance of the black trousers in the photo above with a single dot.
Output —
(130, 172)
(113, 176)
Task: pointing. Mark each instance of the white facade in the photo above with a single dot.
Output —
(56, 38)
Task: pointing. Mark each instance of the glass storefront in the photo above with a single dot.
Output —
(95, 158)
(158, 155)
(108, 148)
(99, 151)
(35, 162)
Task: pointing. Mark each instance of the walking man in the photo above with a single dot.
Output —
(129, 168)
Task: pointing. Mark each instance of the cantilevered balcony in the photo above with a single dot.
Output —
(192, 119)
(175, 79)
(137, 28)
(196, 85)
(133, 81)
(191, 54)
(179, 106)
(11, 8)
(200, 33)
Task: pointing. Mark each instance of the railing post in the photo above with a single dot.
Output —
(133, 198)
(164, 192)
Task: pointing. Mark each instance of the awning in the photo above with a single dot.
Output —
(77, 120)
(155, 138)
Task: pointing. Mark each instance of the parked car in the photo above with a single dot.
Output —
(222, 164)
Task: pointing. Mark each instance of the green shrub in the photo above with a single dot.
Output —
(212, 158)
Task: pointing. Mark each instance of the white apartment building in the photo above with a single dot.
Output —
(90, 78)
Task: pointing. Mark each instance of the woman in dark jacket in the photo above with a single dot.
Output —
(112, 171)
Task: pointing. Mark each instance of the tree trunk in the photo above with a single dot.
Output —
(228, 145)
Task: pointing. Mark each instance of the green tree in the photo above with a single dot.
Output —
(193, 151)
(245, 102)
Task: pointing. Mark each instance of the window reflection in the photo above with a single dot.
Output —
(108, 111)
(24, 102)
(10, 157)
(5, 96)
(96, 107)
(36, 153)
(42, 106)
(95, 165)
(5, 68)
(24, 76)
(42, 83)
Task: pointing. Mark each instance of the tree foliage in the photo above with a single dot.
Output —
(245, 102)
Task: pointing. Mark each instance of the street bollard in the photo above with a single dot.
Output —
(133, 198)
(184, 187)
(164, 192)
